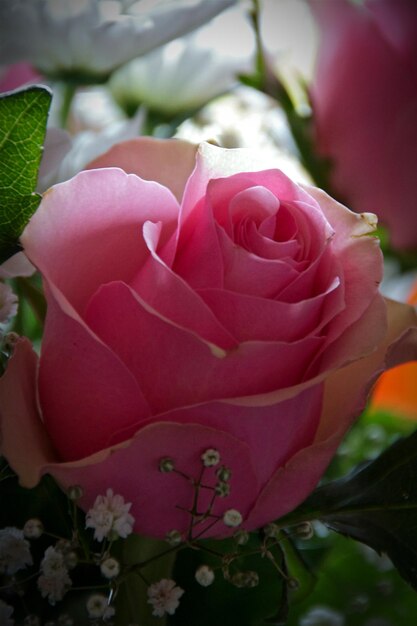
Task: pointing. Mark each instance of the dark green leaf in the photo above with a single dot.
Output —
(376, 505)
(356, 587)
(222, 602)
(23, 117)
(132, 600)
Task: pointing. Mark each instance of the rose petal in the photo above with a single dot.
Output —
(250, 274)
(164, 356)
(345, 396)
(85, 391)
(24, 441)
(143, 156)
(174, 299)
(159, 499)
(259, 319)
(95, 221)
(272, 433)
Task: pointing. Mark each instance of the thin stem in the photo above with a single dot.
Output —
(68, 93)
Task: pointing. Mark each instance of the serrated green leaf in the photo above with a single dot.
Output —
(23, 117)
(376, 505)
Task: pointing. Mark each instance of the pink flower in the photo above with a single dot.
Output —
(365, 105)
(219, 320)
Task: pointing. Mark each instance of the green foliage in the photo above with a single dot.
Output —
(355, 583)
(23, 117)
(222, 602)
(376, 504)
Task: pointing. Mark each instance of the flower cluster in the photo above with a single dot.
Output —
(14, 551)
(54, 581)
(110, 517)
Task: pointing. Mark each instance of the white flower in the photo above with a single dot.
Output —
(14, 551)
(110, 515)
(5, 614)
(204, 575)
(8, 303)
(65, 155)
(55, 586)
(110, 568)
(97, 606)
(90, 38)
(54, 581)
(164, 597)
(185, 74)
(53, 563)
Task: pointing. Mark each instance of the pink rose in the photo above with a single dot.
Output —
(210, 311)
(365, 107)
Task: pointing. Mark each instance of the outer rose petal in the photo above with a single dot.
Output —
(86, 393)
(143, 156)
(164, 356)
(95, 221)
(346, 391)
(24, 441)
(132, 470)
(283, 492)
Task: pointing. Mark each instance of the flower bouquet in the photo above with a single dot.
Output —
(207, 357)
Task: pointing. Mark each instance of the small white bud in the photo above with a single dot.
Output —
(222, 489)
(173, 537)
(166, 465)
(223, 473)
(241, 537)
(271, 530)
(210, 457)
(97, 606)
(232, 518)
(110, 568)
(305, 531)
(33, 528)
(204, 575)
(75, 492)
(245, 579)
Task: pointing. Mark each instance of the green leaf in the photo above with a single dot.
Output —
(23, 117)
(376, 505)
(222, 602)
(356, 584)
(132, 600)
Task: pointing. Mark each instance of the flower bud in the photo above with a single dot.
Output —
(110, 568)
(304, 531)
(33, 528)
(75, 492)
(232, 518)
(173, 537)
(245, 579)
(166, 465)
(210, 457)
(204, 575)
(222, 489)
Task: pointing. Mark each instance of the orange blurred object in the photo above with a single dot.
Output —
(396, 390)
